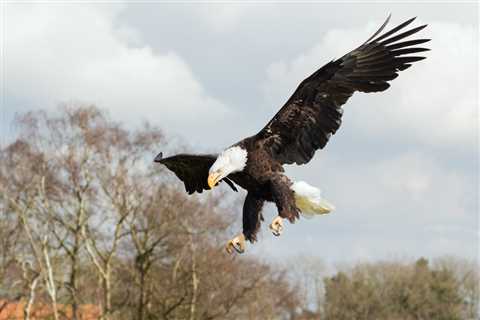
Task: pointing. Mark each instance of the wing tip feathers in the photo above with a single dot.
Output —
(158, 157)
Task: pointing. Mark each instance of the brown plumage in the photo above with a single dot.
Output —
(303, 125)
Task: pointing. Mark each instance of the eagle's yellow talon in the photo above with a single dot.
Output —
(277, 226)
(237, 244)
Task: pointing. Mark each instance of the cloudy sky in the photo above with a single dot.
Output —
(403, 169)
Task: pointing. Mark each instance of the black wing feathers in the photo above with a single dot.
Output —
(313, 113)
(192, 170)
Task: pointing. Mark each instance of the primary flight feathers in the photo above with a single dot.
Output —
(313, 113)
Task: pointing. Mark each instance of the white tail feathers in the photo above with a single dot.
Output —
(309, 199)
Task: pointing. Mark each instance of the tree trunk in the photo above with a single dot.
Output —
(140, 307)
(107, 295)
(50, 282)
(73, 285)
(31, 298)
(193, 302)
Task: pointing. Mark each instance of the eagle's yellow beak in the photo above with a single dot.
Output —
(213, 179)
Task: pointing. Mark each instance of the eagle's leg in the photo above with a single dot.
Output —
(284, 199)
(237, 244)
(252, 216)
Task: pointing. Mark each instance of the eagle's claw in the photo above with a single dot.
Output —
(237, 244)
(277, 226)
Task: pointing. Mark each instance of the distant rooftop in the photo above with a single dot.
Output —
(13, 310)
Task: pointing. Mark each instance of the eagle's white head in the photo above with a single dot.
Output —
(231, 160)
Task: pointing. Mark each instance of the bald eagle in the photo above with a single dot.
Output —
(303, 125)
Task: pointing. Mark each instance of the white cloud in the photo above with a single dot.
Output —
(225, 17)
(433, 102)
(407, 203)
(410, 187)
(58, 53)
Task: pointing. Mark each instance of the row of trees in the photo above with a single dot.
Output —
(86, 219)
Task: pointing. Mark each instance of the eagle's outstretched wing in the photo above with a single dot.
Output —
(192, 170)
(313, 113)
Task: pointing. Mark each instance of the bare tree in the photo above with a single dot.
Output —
(20, 189)
(88, 198)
